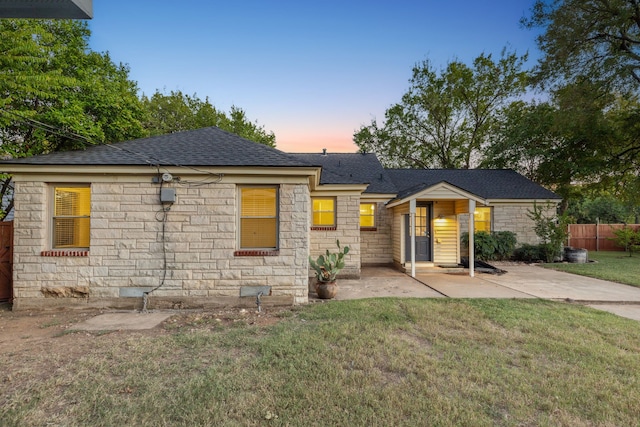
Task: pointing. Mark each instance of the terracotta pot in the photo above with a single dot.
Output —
(326, 290)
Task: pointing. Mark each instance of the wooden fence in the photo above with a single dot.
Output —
(596, 237)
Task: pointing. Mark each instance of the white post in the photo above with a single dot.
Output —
(472, 227)
(412, 224)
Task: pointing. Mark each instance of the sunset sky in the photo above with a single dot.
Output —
(312, 72)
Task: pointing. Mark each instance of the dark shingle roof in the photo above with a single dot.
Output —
(202, 147)
(351, 168)
(485, 183)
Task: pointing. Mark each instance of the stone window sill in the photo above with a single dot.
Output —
(324, 228)
(368, 229)
(65, 253)
(253, 252)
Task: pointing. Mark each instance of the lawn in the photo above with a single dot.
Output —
(614, 266)
(376, 362)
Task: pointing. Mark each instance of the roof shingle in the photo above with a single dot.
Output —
(209, 146)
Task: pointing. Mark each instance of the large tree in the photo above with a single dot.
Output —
(56, 94)
(598, 39)
(446, 117)
(580, 140)
(177, 111)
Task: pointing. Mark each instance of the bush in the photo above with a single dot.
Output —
(628, 239)
(528, 253)
(551, 229)
(497, 245)
(505, 244)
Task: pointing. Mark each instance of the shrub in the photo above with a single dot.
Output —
(628, 239)
(505, 244)
(497, 245)
(552, 230)
(528, 253)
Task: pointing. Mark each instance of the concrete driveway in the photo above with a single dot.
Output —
(520, 281)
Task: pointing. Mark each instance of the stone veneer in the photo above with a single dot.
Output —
(375, 244)
(127, 253)
(347, 230)
(511, 217)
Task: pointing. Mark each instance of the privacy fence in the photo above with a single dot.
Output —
(596, 237)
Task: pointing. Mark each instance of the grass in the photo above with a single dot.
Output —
(376, 362)
(614, 266)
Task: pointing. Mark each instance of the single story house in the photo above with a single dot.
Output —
(191, 219)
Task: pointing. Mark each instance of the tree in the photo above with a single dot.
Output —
(56, 94)
(558, 143)
(177, 111)
(598, 39)
(445, 118)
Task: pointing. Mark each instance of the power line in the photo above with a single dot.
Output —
(150, 160)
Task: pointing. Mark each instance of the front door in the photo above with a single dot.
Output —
(423, 234)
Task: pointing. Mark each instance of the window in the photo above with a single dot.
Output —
(71, 217)
(258, 218)
(482, 218)
(324, 212)
(367, 215)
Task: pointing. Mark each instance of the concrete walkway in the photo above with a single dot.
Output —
(520, 281)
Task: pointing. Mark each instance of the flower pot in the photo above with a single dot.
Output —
(326, 290)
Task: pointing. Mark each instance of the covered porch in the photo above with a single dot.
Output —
(426, 230)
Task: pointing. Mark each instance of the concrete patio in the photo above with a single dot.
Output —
(520, 281)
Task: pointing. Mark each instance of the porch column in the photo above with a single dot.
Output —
(472, 223)
(412, 225)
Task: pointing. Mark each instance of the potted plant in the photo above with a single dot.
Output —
(327, 267)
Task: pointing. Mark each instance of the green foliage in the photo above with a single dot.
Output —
(328, 266)
(627, 238)
(529, 253)
(178, 112)
(551, 229)
(497, 245)
(446, 117)
(56, 94)
(595, 38)
(603, 209)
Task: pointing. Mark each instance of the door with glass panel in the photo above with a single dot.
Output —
(423, 234)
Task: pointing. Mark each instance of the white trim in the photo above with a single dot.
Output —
(456, 194)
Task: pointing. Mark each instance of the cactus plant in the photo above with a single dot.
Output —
(328, 266)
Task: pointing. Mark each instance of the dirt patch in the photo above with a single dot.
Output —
(36, 331)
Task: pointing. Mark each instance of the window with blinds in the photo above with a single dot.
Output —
(367, 215)
(71, 217)
(482, 219)
(258, 218)
(324, 211)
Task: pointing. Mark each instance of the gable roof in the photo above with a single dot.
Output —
(485, 183)
(209, 146)
(351, 168)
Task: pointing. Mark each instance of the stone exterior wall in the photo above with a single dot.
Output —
(128, 252)
(375, 245)
(512, 217)
(347, 230)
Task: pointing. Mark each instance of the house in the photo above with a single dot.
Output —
(194, 219)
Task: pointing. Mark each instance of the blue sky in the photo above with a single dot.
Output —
(312, 72)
